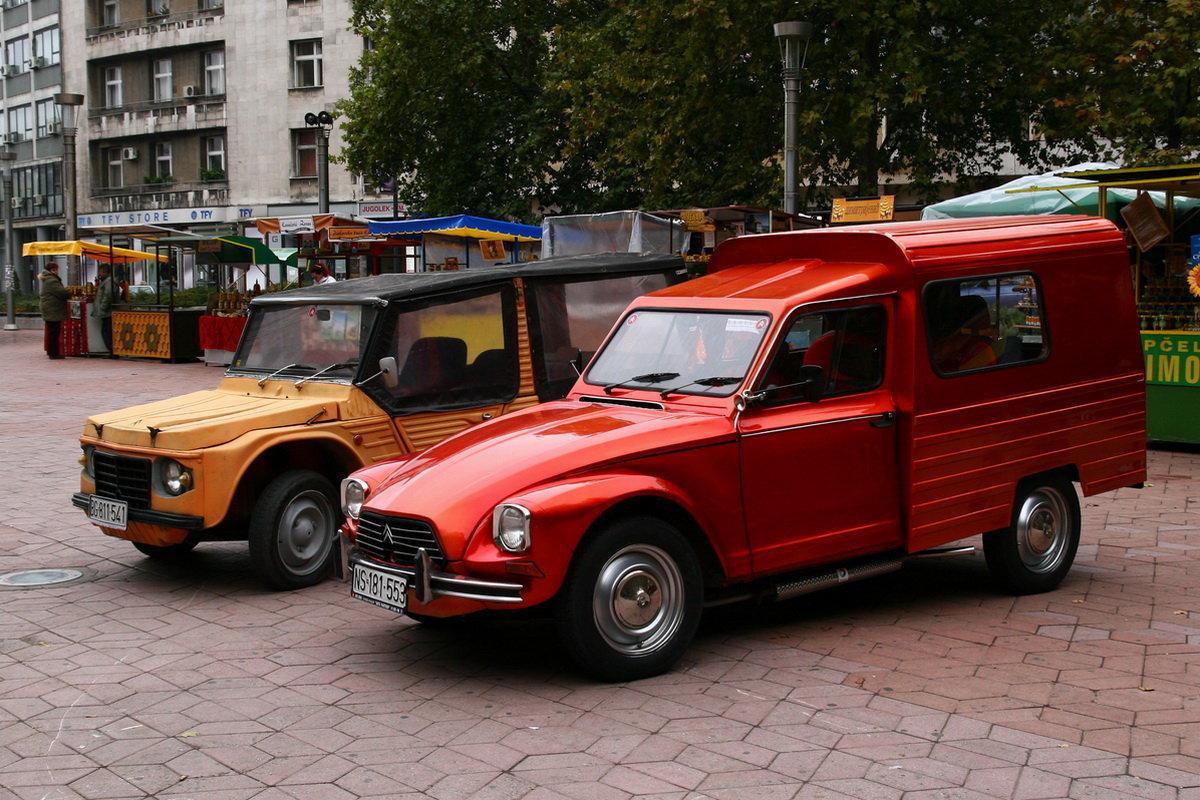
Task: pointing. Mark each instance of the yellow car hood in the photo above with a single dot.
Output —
(205, 419)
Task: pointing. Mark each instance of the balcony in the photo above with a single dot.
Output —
(177, 29)
(146, 119)
(197, 194)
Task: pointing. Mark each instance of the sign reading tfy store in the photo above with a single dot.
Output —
(1172, 359)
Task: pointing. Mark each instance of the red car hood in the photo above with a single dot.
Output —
(457, 483)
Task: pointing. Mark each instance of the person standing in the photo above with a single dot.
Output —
(320, 274)
(54, 298)
(106, 295)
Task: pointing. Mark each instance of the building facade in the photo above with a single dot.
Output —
(195, 110)
(31, 73)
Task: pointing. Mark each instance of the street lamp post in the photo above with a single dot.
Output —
(6, 159)
(323, 121)
(68, 102)
(793, 48)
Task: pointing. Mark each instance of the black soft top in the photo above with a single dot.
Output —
(384, 289)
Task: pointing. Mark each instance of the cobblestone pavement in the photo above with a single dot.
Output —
(150, 680)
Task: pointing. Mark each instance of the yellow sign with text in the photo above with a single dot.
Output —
(1172, 359)
(877, 210)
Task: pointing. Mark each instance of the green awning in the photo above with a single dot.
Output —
(244, 250)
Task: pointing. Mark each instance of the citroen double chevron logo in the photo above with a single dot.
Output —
(387, 536)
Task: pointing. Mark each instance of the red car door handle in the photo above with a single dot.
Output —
(885, 420)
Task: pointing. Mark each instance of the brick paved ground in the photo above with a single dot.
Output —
(194, 682)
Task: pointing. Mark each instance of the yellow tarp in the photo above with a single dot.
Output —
(112, 255)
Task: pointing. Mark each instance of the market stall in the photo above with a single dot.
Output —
(320, 237)
(81, 332)
(462, 241)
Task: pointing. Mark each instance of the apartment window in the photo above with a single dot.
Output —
(162, 159)
(304, 153)
(214, 72)
(46, 45)
(163, 85)
(158, 8)
(108, 13)
(209, 5)
(113, 94)
(47, 113)
(214, 154)
(306, 64)
(114, 173)
(16, 53)
(20, 123)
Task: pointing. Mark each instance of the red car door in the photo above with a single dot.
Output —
(819, 479)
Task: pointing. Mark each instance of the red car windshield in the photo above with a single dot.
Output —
(684, 352)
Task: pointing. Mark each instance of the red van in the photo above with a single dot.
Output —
(822, 406)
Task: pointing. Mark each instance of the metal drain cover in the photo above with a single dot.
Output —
(51, 576)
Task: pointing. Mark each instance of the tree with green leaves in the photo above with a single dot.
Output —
(1121, 79)
(450, 99)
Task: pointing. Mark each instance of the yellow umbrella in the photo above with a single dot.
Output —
(112, 255)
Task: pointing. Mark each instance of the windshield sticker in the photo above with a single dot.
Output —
(742, 325)
(632, 318)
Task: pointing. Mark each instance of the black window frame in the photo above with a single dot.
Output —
(811, 310)
(381, 345)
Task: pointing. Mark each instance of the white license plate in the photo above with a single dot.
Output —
(109, 513)
(379, 588)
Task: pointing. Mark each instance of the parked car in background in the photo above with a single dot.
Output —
(821, 407)
(331, 378)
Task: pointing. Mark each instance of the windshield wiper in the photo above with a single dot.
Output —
(323, 370)
(716, 381)
(282, 369)
(649, 377)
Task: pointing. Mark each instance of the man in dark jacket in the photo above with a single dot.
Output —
(107, 293)
(54, 307)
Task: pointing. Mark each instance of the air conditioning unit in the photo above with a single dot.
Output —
(16, 202)
(14, 138)
(38, 62)
(129, 154)
(37, 199)
(7, 70)
(53, 128)
(191, 91)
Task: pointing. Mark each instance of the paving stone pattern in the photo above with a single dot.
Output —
(192, 681)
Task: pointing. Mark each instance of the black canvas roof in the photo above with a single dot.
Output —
(383, 289)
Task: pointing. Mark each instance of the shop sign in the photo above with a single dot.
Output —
(348, 232)
(876, 210)
(294, 225)
(208, 246)
(1172, 359)
(1146, 225)
(696, 219)
(492, 249)
(164, 216)
(382, 210)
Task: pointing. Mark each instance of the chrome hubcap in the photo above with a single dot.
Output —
(1042, 530)
(638, 600)
(306, 531)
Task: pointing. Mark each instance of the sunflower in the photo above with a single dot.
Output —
(1193, 280)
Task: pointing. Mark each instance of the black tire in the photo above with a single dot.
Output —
(169, 552)
(293, 530)
(1036, 551)
(632, 601)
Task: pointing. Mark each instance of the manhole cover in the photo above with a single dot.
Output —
(33, 578)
